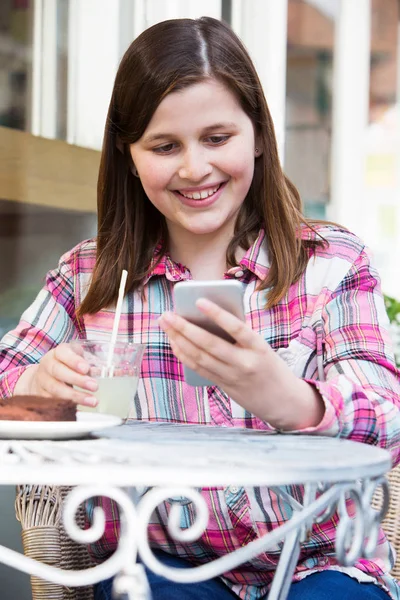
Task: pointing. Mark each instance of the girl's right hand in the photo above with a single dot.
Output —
(56, 374)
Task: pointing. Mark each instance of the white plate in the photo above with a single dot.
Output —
(85, 424)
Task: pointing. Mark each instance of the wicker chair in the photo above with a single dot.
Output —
(39, 511)
(391, 523)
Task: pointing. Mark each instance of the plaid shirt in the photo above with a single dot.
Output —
(332, 330)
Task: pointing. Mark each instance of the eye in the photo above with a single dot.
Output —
(165, 149)
(217, 140)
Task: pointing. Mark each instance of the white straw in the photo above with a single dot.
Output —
(116, 321)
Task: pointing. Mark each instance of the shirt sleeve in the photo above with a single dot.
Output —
(360, 385)
(50, 320)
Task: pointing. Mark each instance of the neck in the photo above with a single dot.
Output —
(203, 255)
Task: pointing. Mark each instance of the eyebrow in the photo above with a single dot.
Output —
(162, 136)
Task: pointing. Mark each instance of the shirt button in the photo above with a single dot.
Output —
(233, 489)
(239, 273)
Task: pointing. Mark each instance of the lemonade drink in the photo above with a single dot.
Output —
(118, 382)
(114, 396)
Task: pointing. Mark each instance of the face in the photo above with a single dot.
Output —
(196, 159)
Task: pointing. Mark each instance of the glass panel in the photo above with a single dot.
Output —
(311, 27)
(33, 238)
(15, 62)
(382, 173)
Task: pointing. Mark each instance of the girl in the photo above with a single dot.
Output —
(190, 186)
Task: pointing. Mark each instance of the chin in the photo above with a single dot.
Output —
(203, 230)
(201, 226)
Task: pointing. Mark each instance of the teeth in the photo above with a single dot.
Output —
(201, 195)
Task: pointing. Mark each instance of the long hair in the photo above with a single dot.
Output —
(168, 57)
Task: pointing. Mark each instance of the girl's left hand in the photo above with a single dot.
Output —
(249, 371)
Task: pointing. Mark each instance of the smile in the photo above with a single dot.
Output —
(200, 198)
(201, 194)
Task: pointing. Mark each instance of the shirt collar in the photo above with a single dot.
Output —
(255, 260)
(163, 265)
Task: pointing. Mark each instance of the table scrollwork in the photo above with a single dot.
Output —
(357, 532)
(375, 516)
(326, 502)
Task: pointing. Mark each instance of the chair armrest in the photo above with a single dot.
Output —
(39, 509)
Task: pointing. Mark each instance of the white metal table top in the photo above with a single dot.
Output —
(149, 454)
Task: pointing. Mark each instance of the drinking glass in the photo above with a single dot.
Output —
(118, 382)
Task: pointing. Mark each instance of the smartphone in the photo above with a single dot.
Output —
(227, 293)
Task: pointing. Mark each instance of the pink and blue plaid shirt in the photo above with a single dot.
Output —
(331, 328)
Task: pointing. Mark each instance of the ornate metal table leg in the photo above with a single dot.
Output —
(286, 567)
(132, 585)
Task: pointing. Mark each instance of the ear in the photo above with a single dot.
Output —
(258, 149)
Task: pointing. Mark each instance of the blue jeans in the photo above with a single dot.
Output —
(328, 585)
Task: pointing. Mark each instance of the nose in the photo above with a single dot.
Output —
(195, 165)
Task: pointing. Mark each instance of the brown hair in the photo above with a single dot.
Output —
(167, 57)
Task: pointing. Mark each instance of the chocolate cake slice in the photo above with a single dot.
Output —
(37, 408)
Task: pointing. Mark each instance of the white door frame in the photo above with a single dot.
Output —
(350, 105)
(262, 25)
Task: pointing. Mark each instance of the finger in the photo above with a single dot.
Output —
(64, 374)
(56, 389)
(70, 356)
(202, 362)
(239, 330)
(177, 327)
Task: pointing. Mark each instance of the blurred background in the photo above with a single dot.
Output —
(331, 74)
(330, 69)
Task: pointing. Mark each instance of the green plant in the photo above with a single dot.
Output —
(393, 311)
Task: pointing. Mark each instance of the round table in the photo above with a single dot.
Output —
(141, 464)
